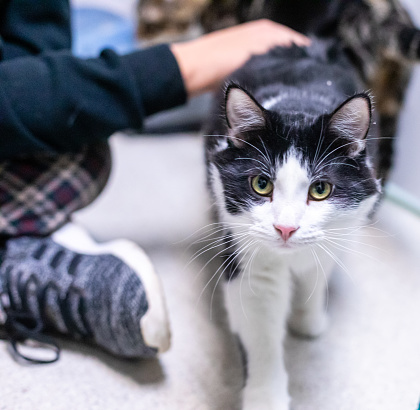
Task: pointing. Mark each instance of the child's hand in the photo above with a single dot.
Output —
(206, 61)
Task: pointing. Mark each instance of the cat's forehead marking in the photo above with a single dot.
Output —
(290, 190)
(292, 174)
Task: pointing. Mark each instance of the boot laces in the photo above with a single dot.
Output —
(21, 326)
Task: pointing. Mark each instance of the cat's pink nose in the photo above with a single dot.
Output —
(286, 231)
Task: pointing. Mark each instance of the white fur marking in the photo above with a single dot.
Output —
(271, 102)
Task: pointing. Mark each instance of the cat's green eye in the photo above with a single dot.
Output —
(262, 185)
(320, 190)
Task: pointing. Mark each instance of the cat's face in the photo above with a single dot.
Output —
(293, 185)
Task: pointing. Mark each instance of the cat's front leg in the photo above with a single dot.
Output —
(257, 312)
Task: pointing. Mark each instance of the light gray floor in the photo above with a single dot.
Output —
(368, 360)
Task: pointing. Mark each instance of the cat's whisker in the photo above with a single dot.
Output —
(240, 289)
(215, 135)
(219, 242)
(226, 263)
(214, 240)
(265, 166)
(214, 275)
(334, 159)
(323, 155)
(211, 236)
(378, 138)
(247, 246)
(237, 267)
(222, 228)
(288, 133)
(251, 145)
(317, 276)
(363, 225)
(268, 158)
(337, 260)
(357, 228)
(256, 171)
(253, 256)
(332, 152)
(337, 238)
(342, 164)
(320, 140)
(208, 234)
(232, 274)
(327, 297)
(198, 231)
(363, 181)
(341, 247)
(212, 225)
(358, 234)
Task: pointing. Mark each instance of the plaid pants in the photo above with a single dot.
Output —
(38, 193)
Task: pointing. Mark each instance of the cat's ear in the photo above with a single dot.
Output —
(351, 121)
(243, 114)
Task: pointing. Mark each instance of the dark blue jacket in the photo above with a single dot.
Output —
(51, 100)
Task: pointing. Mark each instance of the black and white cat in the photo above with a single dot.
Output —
(291, 165)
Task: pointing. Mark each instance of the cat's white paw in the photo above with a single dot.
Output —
(308, 323)
(266, 404)
(263, 400)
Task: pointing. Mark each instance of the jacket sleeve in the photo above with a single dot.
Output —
(30, 27)
(58, 102)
